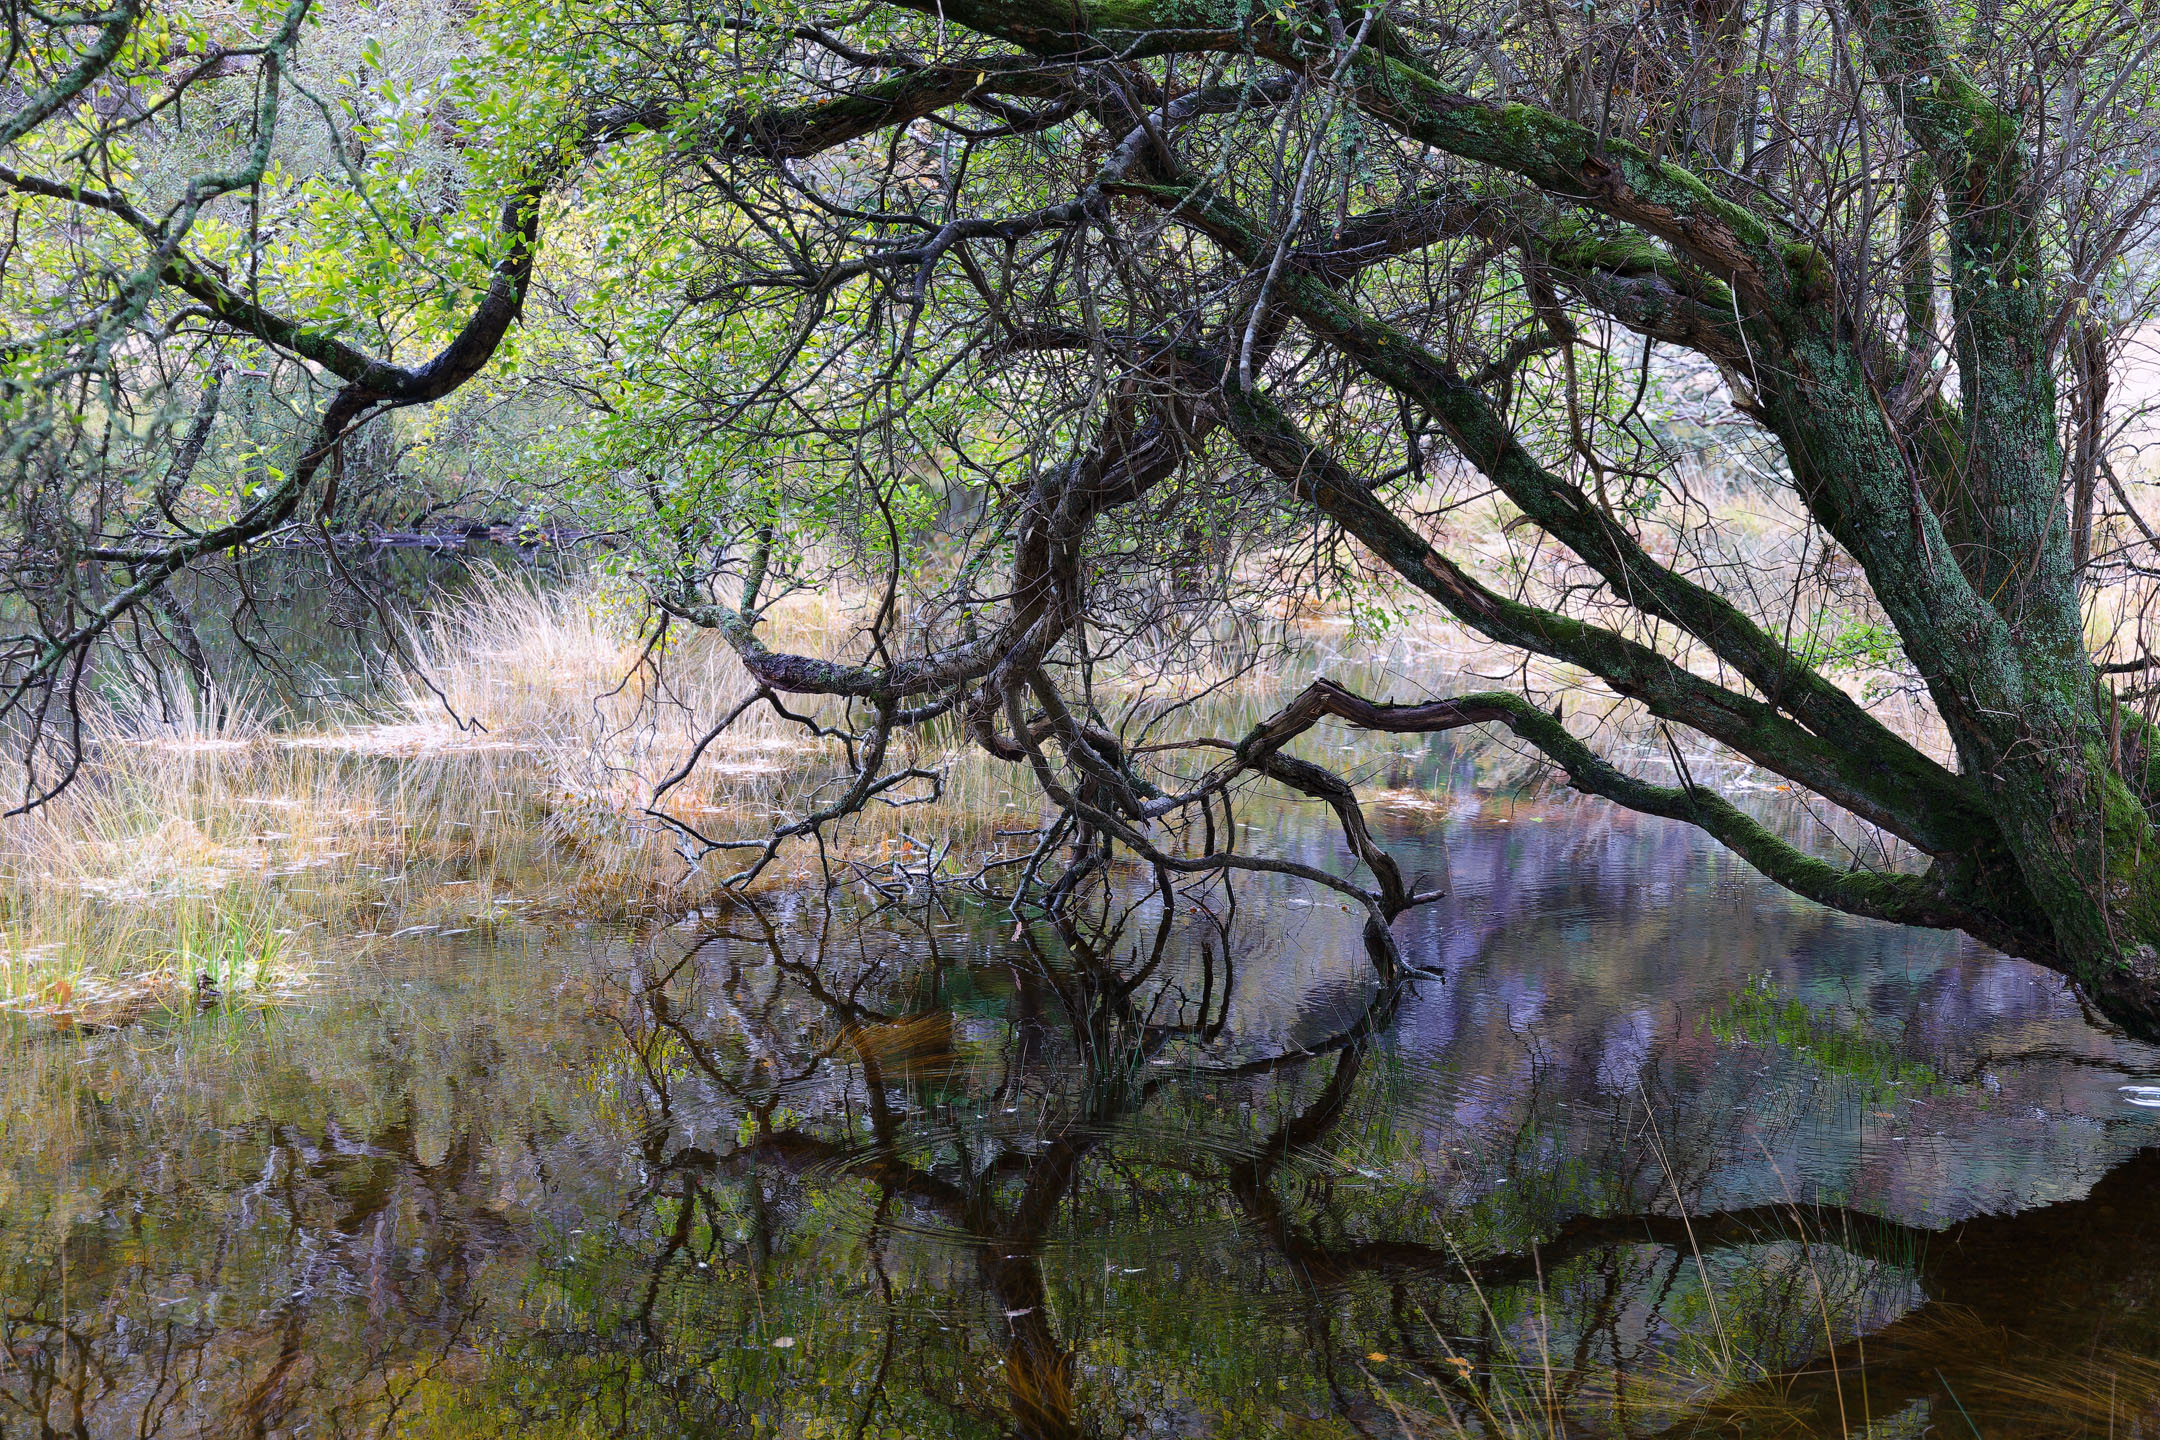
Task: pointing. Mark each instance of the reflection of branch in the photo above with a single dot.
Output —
(1377, 1015)
(2049, 1055)
(797, 1152)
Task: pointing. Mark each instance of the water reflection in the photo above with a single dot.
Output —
(793, 1170)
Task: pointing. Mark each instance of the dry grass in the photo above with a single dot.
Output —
(235, 855)
(196, 846)
(511, 777)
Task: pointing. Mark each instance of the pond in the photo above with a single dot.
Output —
(1643, 1146)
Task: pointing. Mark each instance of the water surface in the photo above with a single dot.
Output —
(820, 1167)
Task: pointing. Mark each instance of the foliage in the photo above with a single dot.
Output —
(1106, 339)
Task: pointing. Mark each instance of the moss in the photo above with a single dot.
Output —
(1985, 127)
(1141, 15)
(1573, 241)
(2140, 743)
(2123, 817)
(1809, 270)
(2131, 850)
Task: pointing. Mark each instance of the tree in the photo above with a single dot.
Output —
(1080, 333)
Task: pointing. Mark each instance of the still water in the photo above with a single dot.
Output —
(1646, 1147)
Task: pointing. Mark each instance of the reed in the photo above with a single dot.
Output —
(508, 776)
(509, 772)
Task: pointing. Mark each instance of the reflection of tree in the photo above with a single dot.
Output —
(1004, 1199)
(2009, 1299)
(1082, 1052)
(366, 1218)
(2004, 1296)
(906, 1150)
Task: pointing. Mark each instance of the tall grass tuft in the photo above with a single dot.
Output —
(508, 776)
(509, 773)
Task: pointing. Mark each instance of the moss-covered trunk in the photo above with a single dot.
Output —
(1971, 557)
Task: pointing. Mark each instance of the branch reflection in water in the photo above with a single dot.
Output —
(1131, 1170)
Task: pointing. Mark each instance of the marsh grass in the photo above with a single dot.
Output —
(507, 774)
(1865, 1374)
(243, 862)
(507, 779)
